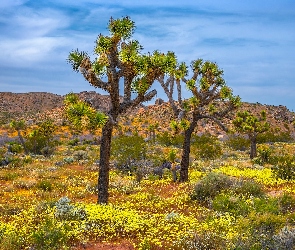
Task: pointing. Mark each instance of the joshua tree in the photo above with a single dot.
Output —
(81, 115)
(251, 125)
(211, 99)
(152, 130)
(19, 126)
(119, 63)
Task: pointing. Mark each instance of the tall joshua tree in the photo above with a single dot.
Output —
(119, 64)
(251, 125)
(210, 99)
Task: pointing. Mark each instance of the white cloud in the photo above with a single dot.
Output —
(27, 51)
(10, 4)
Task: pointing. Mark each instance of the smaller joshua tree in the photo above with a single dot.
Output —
(251, 125)
(19, 126)
(210, 99)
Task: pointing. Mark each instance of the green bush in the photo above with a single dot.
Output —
(15, 147)
(266, 205)
(284, 167)
(257, 231)
(274, 136)
(167, 139)
(238, 142)
(248, 188)
(127, 149)
(9, 176)
(40, 140)
(73, 142)
(210, 186)
(264, 153)
(45, 185)
(206, 147)
(287, 203)
(50, 236)
(80, 155)
(230, 203)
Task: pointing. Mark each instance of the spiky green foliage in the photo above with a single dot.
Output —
(19, 126)
(81, 115)
(248, 123)
(251, 125)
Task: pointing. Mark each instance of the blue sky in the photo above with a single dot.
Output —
(252, 41)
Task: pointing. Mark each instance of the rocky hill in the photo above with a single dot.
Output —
(35, 106)
(31, 105)
(279, 117)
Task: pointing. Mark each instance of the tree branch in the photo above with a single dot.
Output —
(90, 76)
(219, 123)
(135, 102)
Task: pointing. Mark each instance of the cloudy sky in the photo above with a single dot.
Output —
(252, 41)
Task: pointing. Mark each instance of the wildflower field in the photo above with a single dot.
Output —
(229, 202)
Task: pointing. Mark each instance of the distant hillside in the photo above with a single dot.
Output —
(35, 106)
(32, 104)
(278, 116)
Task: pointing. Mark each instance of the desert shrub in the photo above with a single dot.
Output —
(2, 152)
(274, 136)
(167, 139)
(257, 231)
(69, 160)
(45, 185)
(264, 153)
(286, 203)
(285, 239)
(210, 186)
(248, 188)
(268, 205)
(9, 176)
(24, 184)
(206, 147)
(47, 151)
(41, 139)
(205, 240)
(156, 155)
(238, 142)
(127, 149)
(230, 203)
(15, 147)
(80, 155)
(15, 161)
(50, 236)
(64, 210)
(284, 167)
(73, 142)
(12, 241)
(27, 159)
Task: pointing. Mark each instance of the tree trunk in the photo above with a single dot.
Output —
(186, 148)
(104, 163)
(253, 148)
